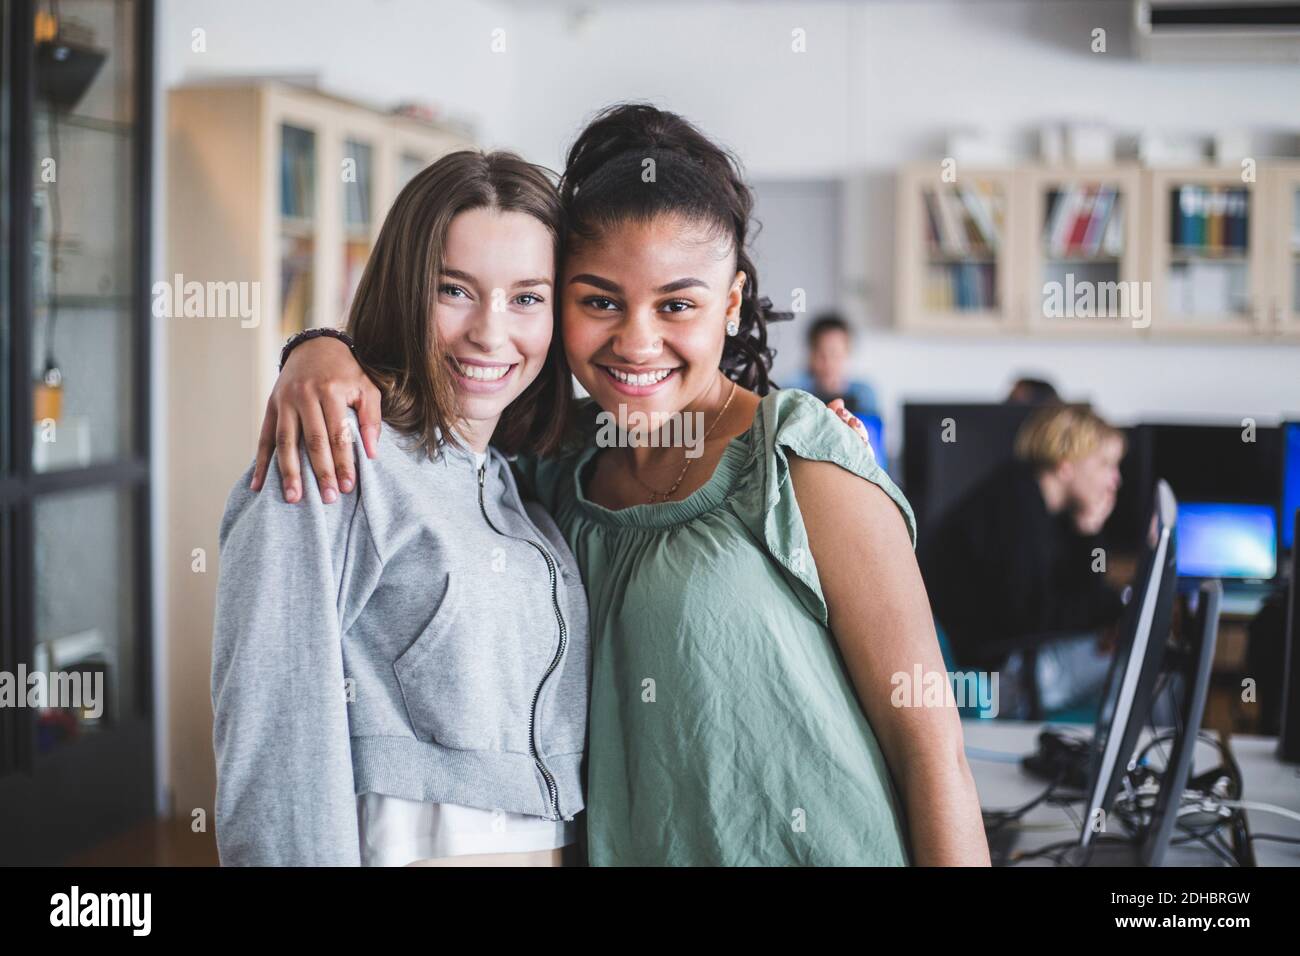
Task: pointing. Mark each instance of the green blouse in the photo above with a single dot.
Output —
(724, 729)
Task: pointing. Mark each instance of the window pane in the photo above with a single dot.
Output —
(86, 620)
(83, 241)
(297, 227)
(357, 219)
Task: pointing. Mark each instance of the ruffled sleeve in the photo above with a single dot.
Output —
(790, 421)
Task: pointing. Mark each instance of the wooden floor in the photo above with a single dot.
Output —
(155, 843)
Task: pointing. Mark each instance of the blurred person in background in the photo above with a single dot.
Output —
(1013, 560)
(830, 345)
(1032, 391)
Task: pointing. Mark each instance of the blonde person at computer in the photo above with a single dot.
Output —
(400, 676)
(1014, 559)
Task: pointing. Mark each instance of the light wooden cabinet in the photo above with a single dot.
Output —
(1083, 249)
(275, 195)
(1284, 234)
(955, 249)
(1116, 250)
(1208, 247)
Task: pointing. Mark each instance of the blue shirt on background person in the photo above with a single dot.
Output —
(829, 347)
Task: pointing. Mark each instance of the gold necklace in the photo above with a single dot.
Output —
(661, 496)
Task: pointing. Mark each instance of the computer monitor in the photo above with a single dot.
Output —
(1227, 540)
(1192, 665)
(876, 432)
(949, 447)
(1230, 462)
(1126, 697)
(1290, 481)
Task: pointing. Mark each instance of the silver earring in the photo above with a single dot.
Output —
(733, 327)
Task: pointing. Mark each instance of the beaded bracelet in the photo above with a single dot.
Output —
(299, 337)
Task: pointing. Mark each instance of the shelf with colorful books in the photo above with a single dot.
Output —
(1082, 258)
(957, 225)
(1199, 251)
(1208, 267)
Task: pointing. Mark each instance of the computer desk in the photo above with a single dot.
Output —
(993, 749)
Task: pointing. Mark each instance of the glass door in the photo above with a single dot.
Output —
(77, 765)
(297, 228)
(358, 218)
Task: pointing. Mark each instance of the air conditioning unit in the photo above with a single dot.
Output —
(1230, 31)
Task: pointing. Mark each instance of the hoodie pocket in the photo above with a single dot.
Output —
(455, 683)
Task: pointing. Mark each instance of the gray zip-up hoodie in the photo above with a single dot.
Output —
(424, 637)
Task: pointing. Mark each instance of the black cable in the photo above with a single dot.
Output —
(1063, 847)
(1275, 837)
(996, 819)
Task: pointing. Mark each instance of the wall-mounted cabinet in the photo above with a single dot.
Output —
(1083, 237)
(958, 273)
(1100, 250)
(1284, 306)
(1208, 244)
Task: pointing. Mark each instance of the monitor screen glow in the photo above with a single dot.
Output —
(876, 432)
(1221, 540)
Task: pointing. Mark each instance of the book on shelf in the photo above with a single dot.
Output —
(961, 287)
(961, 221)
(1210, 219)
(1083, 220)
(980, 218)
(295, 284)
(1095, 230)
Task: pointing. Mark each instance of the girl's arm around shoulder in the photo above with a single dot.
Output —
(880, 616)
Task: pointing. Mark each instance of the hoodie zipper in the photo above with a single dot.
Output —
(552, 790)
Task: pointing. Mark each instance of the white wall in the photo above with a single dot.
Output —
(879, 84)
(378, 51)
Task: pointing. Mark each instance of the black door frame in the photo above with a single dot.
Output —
(44, 798)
